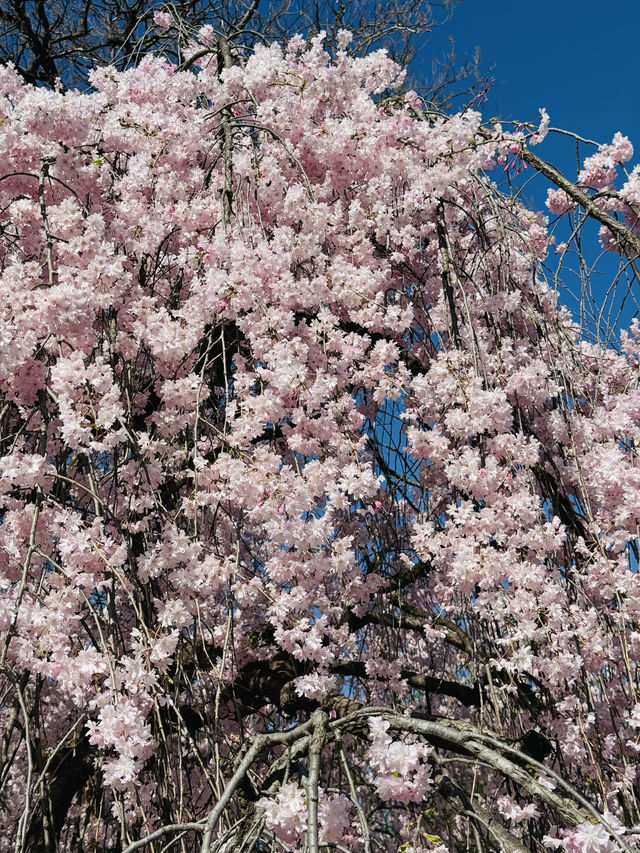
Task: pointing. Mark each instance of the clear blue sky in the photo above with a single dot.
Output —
(577, 58)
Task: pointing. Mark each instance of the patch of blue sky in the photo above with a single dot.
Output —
(542, 56)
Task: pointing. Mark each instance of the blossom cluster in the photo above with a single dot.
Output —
(600, 176)
(402, 772)
(286, 816)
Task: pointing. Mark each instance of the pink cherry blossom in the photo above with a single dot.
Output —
(589, 838)
(163, 20)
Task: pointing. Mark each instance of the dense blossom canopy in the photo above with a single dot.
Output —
(319, 517)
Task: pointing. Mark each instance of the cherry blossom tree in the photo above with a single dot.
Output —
(319, 513)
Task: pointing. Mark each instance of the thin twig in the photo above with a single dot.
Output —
(158, 833)
(364, 826)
